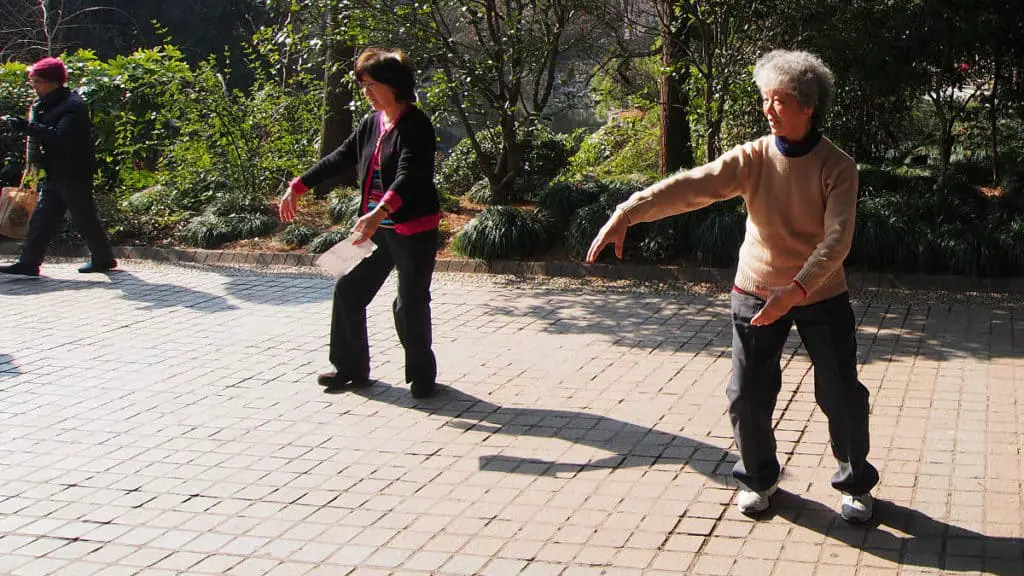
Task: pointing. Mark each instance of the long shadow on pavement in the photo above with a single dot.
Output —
(133, 288)
(8, 368)
(630, 445)
(701, 323)
(919, 539)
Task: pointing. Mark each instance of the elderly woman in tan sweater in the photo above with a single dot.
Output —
(801, 197)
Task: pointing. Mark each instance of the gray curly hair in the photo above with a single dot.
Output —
(799, 73)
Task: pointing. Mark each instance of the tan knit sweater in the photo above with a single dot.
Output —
(800, 212)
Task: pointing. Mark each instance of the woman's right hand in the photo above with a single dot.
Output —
(614, 233)
(289, 205)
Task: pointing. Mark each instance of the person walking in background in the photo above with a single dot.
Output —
(801, 195)
(59, 144)
(393, 150)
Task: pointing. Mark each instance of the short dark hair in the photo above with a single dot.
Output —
(390, 67)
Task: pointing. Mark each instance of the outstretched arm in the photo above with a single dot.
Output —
(684, 192)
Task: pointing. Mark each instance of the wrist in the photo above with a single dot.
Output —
(797, 291)
(624, 218)
(297, 187)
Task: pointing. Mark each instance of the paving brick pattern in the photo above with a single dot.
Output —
(166, 420)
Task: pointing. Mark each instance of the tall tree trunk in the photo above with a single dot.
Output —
(676, 148)
(993, 117)
(337, 120)
(509, 166)
(945, 149)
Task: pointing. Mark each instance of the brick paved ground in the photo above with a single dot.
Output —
(166, 420)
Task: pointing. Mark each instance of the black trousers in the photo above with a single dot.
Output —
(827, 330)
(56, 198)
(414, 256)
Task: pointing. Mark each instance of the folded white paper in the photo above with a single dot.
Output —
(344, 256)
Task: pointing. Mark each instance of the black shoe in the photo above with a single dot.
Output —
(423, 389)
(334, 381)
(20, 269)
(94, 267)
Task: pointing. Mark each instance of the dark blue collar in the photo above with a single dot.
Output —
(797, 149)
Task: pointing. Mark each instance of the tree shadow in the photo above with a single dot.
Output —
(289, 290)
(891, 323)
(155, 295)
(8, 367)
(629, 445)
(908, 537)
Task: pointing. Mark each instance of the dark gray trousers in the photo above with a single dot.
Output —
(827, 330)
(55, 199)
(414, 256)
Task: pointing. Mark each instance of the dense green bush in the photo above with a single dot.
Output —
(584, 227)
(503, 232)
(626, 145)
(563, 198)
(906, 224)
(545, 154)
(326, 241)
(159, 121)
(715, 240)
(230, 216)
(480, 192)
(297, 235)
(344, 205)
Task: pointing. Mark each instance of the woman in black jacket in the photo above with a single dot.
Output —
(60, 144)
(393, 150)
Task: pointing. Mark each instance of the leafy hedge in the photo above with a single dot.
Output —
(626, 145)
(906, 224)
(171, 139)
(504, 232)
(545, 155)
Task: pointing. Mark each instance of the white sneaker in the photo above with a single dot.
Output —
(857, 508)
(752, 502)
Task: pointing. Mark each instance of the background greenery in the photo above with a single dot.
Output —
(543, 128)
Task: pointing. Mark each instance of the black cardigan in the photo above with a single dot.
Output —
(406, 162)
(59, 137)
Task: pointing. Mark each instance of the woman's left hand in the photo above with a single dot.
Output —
(367, 226)
(780, 301)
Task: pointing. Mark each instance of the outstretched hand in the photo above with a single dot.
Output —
(289, 206)
(613, 232)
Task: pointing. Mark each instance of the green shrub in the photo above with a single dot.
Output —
(502, 232)
(297, 235)
(480, 192)
(211, 230)
(624, 146)
(344, 206)
(717, 238)
(1009, 238)
(584, 227)
(326, 241)
(663, 241)
(459, 171)
(205, 231)
(545, 154)
(881, 238)
(562, 198)
(1012, 199)
(618, 189)
(449, 203)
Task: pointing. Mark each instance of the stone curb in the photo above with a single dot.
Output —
(640, 272)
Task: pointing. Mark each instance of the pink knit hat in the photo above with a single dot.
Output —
(51, 69)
